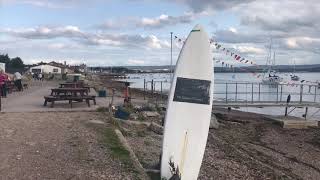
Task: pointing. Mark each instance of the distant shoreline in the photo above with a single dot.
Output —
(244, 69)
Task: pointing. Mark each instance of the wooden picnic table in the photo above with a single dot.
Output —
(74, 85)
(69, 91)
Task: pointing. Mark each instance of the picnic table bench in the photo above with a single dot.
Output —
(52, 99)
(69, 91)
(69, 94)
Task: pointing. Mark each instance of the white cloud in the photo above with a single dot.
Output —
(135, 62)
(250, 49)
(73, 33)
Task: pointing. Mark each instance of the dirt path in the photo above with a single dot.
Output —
(31, 100)
(55, 145)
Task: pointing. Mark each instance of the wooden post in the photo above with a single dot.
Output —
(144, 89)
(111, 103)
(305, 115)
(286, 111)
(152, 87)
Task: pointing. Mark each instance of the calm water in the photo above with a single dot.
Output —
(246, 84)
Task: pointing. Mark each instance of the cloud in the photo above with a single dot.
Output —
(161, 21)
(292, 17)
(233, 36)
(87, 38)
(201, 5)
(54, 4)
(135, 62)
(45, 32)
(250, 50)
(165, 20)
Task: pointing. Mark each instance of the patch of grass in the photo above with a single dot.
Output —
(118, 151)
(147, 143)
(141, 133)
(102, 109)
(141, 117)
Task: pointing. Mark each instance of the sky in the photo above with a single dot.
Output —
(137, 32)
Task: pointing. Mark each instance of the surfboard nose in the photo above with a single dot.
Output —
(197, 27)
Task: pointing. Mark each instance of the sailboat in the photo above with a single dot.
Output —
(294, 77)
(271, 76)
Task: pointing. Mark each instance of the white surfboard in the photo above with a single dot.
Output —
(189, 109)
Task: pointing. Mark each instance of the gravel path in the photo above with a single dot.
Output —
(55, 145)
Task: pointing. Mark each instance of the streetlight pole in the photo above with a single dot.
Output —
(171, 75)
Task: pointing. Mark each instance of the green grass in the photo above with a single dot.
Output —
(102, 109)
(118, 151)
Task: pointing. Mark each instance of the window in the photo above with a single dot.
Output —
(55, 70)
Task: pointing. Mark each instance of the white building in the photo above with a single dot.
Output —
(46, 69)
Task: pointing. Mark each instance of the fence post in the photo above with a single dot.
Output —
(277, 93)
(152, 88)
(236, 92)
(281, 93)
(252, 94)
(144, 89)
(315, 93)
(161, 91)
(226, 92)
(301, 91)
(259, 93)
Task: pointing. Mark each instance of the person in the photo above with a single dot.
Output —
(40, 76)
(3, 88)
(17, 80)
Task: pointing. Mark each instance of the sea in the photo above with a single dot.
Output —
(247, 88)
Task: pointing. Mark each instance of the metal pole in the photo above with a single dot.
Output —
(161, 90)
(171, 73)
(315, 93)
(281, 93)
(252, 94)
(301, 91)
(226, 92)
(277, 93)
(259, 92)
(236, 92)
(144, 89)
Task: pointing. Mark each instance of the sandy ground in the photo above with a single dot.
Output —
(54, 146)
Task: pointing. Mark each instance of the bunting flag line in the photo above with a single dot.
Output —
(242, 60)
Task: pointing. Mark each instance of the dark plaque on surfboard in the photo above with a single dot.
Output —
(192, 91)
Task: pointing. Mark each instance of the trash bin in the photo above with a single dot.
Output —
(102, 93)
(122, 114)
